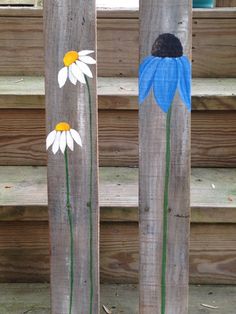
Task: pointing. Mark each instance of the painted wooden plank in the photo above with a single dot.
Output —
(164, 161)
(24, 252)
(74, 227)
(116, 93)
(24, 198)
(114, 58)
(23, 138)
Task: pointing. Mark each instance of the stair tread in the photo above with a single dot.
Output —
(204, 88)
(25, 187)
(23, 297)
(120, 9)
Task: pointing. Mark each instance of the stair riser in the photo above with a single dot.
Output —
(213, 40)
(23, 138)
(24, 252)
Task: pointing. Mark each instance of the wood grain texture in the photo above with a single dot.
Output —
(118, 42)
(225, 3)
(207, 36)
(209, 143)
(71, 25)
(18, 2)
(157, 17)
(22, 297)
(22, 134)
(24, 253)
(18, 92)
(23, 194)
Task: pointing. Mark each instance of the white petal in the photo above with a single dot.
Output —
(78, 73)
(76, 137)
(87, 59)
(69, 140)
(62, 76)
(72, 78)
(56, 143)
(50, 138)
(85, 52)
(84, 68)
(63, 142)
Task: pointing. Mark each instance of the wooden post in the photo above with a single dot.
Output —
(164, 293)
(71, 25)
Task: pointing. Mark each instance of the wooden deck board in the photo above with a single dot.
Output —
(118, 42)
(22, 133)
(23, 194)
(116, 93)
(35, 298)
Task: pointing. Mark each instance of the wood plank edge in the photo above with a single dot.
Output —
(199, 214)
(220, 12)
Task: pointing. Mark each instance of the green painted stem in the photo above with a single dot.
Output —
(90, 204)
(165, 213)
(70, 220)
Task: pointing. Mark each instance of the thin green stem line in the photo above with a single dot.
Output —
(90, 203)
(165, 213)
(70, 220)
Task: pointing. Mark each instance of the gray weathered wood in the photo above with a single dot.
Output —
(116, 93)
(23, 194)
(156, 17)
(71, 25)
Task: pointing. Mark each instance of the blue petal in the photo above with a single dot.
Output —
(184, 85)
(165, 82)
(144, 63)
(146, 75)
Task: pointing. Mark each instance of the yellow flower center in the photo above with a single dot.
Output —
(70, 57)
(62, 126)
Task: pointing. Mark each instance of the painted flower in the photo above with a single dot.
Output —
(63, 135)
(76, 67)
(166, 70)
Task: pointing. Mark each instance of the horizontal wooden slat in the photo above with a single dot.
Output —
(23, 194)
(118, 43)
(124, 10)
(18, 2)
(24, 252)
(116, 93)
(22, 136)
(226, 3)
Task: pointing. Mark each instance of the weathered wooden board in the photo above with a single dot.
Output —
(72, 198)
(164, 174)
(24, 252)
(118, 43)
(116, 93)
(23, 194)
(22, 135)
(207, 143)
(211, 53)
(18, 298)
(225, 3)
(19, 2)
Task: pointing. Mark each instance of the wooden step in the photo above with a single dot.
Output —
(27, 92)
(24, 255)
(214, 34)
(35, 298)
(22, 130)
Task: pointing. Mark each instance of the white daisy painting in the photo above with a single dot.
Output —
(63, 135)
(76, 67)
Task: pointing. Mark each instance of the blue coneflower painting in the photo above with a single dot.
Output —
(165, 71)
